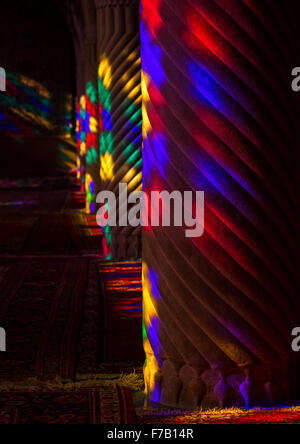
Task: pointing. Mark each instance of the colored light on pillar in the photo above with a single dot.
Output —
(150, 333)
(26, 107)
(107, 166)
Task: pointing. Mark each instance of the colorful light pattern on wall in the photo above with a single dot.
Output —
(153, 169)
(123, 284)
(91, 129)
(25, 108)
(81, 140)
(150, 334)
(87, 143)
(106, 142)
(105, 126)
(120, 126)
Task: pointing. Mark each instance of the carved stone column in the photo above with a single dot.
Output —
(119, 85)
(219, 117)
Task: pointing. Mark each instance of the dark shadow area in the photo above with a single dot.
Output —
(37, 111)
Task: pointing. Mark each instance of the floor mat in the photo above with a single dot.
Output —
(41, 308)
(122, 307)
(107, 405)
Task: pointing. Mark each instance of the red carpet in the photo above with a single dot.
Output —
(106, 405)
(122, 289)
(54, 314)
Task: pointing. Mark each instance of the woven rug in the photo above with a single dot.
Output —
(122, 308)
(41, 308)
(106, 405)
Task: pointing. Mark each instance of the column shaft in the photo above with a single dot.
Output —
(218, 117)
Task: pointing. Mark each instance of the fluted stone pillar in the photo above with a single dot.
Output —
(219, 117)
(119, 85)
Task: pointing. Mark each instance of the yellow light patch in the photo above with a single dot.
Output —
(129, 175)
(88, 181)
(150, 310)
(42, 91)
(78, 168)
(145, 85)
(107, 167)
(132, 56)
(93, 125)
(146, 99)
(83, 102)
(83, 149)
(135, 91)
(136, 182)
(105, 72)
(146, 122)
(129, 85)
(151, 367)
(27, 115)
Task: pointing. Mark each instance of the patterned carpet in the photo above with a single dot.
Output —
(52, 309)
(106, 405)
(41, 307)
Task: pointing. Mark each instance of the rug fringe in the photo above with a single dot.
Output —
(132, 381)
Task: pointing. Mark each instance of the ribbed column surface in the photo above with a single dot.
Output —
(219, 116)
(119, 83)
